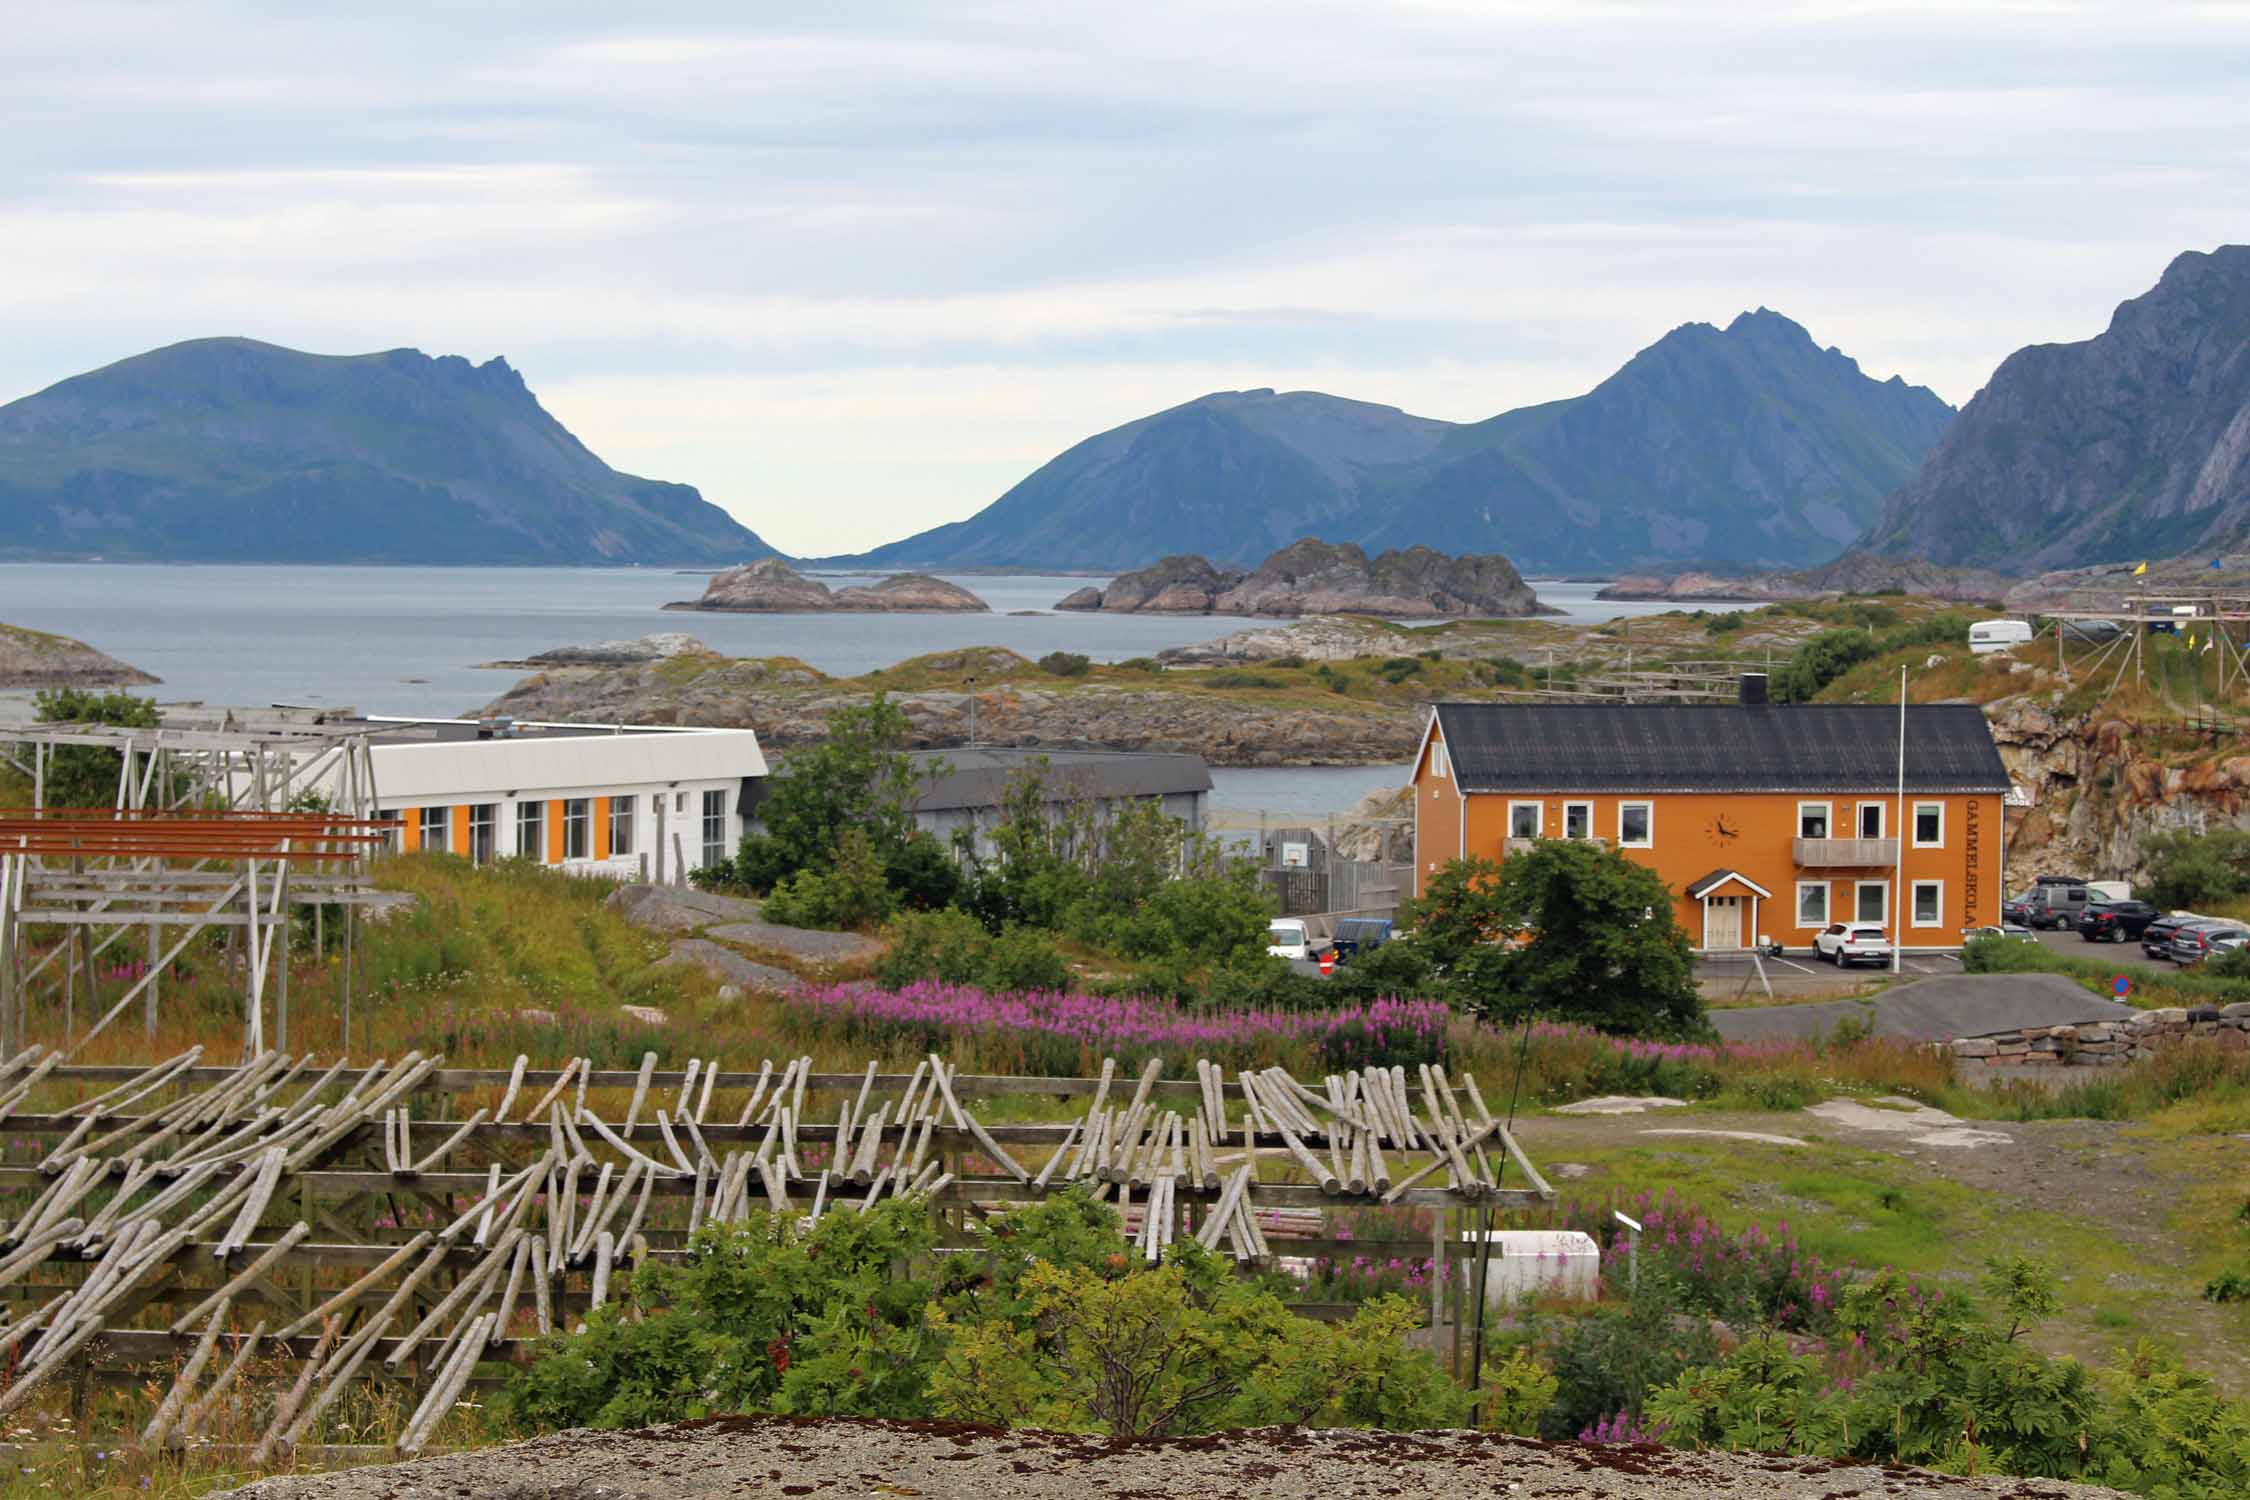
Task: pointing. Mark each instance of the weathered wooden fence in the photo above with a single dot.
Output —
(181, 1200)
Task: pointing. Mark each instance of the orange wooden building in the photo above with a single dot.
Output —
(1768, 821)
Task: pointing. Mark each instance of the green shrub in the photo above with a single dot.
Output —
(1396, 669)
(1140, 664)
(1185, 1349)
(851, 893)
(760, 1317)
(950, 946)
(1263, 983)
(1024, 958)
(1230, 677)
(1394, 969)
(1066, 664)
(2188, 870)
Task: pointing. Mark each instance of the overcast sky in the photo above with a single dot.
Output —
(854, 275)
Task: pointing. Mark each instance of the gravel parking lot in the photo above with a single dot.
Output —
(2127, 956)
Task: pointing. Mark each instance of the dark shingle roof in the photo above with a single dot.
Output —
(1718, 747)
(977, 777)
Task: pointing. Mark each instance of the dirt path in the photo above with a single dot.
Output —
(777, 1456)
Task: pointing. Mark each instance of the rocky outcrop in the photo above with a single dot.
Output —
(910, 593)
(658, 647)
(2098, 785)
(2080, 453)
(771, 586)
(1312, 577)
(1853, 573)
(1182, 585)
(1321, 638)
(35, 659)
(789, 704)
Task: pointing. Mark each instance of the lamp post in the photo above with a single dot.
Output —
(972, 712)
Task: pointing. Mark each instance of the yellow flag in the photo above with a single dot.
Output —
(2143, 568)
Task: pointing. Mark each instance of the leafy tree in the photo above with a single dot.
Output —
(86, 775)
(858, 778)
(1458, 909)
(2195, 869)
(1591, 939)
(1394, 969)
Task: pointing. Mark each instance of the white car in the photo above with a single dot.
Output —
(1848, 943)
(1287, 938)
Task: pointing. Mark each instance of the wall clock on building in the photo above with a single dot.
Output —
(1723, 830)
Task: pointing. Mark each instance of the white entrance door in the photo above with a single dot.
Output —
(1722, 922)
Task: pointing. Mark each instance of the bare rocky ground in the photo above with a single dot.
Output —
(777, 1456)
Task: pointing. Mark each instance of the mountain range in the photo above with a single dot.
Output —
(1749, 444)
(2133, 444)
(231, 450)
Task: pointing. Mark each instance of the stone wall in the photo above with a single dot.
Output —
(2108, 1043)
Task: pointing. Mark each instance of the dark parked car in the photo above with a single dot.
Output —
(1360, 935)
(2156, 937)
(2160, 939)
(2115, 921)
(2201, 940)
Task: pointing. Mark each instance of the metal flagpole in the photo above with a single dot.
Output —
(1898, 844)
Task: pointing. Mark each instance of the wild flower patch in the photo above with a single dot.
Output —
(1066, 1032)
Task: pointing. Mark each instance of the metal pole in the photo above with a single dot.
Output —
(1898, 841)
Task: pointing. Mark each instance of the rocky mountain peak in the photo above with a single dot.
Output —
(2132, 444)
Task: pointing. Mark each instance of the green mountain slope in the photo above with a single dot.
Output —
(229, 450)
(1749, 444)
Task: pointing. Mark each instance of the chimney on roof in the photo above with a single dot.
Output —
(1754, 690)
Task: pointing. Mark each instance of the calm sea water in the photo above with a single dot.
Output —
(409, 640)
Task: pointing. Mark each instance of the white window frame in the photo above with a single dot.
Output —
(1915, 828)
(712, 826)
(437, 820)
(489, 826)
(1646, 842)
(624, 815)
(578, 829)
(536, 821)
(1884, 916)
(1437, 759)
(1566, 807)
(1827, 820)
(1821, 886)
(1538, 819)
(1914, 903)
(1859, 825)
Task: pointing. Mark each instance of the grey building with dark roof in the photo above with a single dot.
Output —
(967, 786)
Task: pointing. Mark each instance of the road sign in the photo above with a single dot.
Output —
(2121, 986)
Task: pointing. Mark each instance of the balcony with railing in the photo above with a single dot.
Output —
(1843, 854)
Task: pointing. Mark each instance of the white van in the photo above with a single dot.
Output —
(1987, 636)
